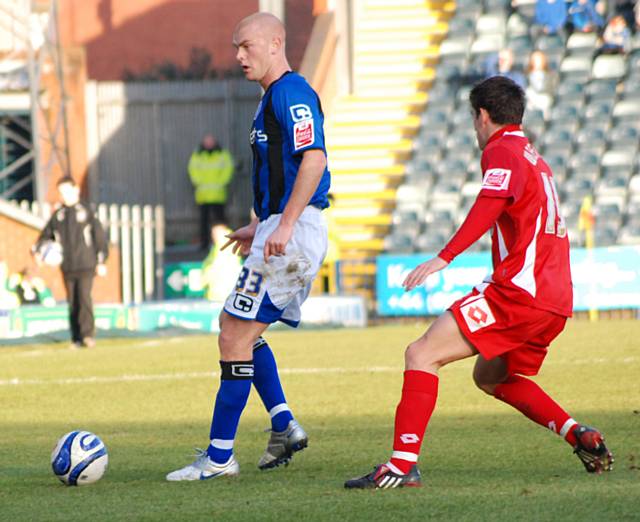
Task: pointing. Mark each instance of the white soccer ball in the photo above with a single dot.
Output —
(51, 253)
(79, 458)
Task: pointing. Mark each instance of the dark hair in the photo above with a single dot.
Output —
(501, 97)
(66, 179)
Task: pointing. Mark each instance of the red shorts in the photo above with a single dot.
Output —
(497, 326)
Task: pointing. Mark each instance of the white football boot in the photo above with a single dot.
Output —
(203, 468)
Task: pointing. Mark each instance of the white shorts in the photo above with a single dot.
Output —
(275, 291)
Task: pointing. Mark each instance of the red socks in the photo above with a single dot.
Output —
(419, 394)
(531, 400)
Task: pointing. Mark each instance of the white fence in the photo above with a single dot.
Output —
(138, 230)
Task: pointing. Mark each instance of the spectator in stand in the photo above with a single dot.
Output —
(210, 170)
(501, 64)
(551, 15)
(8, 299)
(616, 38)
(539, 92)
(624, 8)
(30, 289)
(584, 16)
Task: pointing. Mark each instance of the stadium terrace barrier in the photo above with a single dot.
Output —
(139, 233)
(603, 279)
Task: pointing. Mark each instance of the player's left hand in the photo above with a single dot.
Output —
(277, 242)
(420, 273)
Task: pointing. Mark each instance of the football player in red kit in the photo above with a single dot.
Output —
(509, 319)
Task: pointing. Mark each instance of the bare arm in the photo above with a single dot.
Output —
(309, 175)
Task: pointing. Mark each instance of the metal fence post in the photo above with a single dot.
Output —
(148, 252)
(159, 250)
(136, 250)
(125, 253)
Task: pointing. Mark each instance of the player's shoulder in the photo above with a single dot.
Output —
(292, 83)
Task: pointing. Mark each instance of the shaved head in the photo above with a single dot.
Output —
(260, 42)
(266, 24)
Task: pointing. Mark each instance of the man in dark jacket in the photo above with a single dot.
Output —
(84, 251)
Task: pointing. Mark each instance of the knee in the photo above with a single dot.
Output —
(486, 385)
(226, 343)
(418, 356)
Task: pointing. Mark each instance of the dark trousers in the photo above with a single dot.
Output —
(210, 214)
(78, 285)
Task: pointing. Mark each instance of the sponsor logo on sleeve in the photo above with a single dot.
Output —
(496, 179)
(300, 112)
(303, 135)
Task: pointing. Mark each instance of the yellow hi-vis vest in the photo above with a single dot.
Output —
(210, 173)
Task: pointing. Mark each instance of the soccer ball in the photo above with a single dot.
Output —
(51, 253)
(79, 458)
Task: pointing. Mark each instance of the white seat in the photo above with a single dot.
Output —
(582, 40)
(609, 66)
(487, 44)
(617, 157)
(491, 24)
(575, 63)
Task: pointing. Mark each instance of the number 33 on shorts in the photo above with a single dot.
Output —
(249, 282)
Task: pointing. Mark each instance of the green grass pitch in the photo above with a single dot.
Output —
(150, 400)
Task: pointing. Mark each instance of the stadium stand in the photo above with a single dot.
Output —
(370, 132)
(589, 136)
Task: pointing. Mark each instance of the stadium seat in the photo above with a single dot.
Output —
(612, 186)
(590, 136)
(565, 113)
(459, 27)
(517, 26)
(398, 243)
(629, 234)
(605, 236)
(521, 46)
(618, 158)
(577, 188)
(487, 44)
(579, 40)
(631, 85)
(575, 64)
(609, 66)
(598, 110)
(491, 24)
(627, 110)
(430, 241)
(457, 45)
(624, 136)
(570, 90)
(601, 90)
(549, 43)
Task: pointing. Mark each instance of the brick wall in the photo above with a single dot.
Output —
(123, 34)
(15, 244)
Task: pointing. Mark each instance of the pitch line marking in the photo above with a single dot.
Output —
(95, 379)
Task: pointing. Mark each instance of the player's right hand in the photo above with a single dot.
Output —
(241, 239)
(420, 273)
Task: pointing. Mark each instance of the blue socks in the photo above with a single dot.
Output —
(267, 383)
(235, 386)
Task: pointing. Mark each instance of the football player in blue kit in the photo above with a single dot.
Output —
(285, 243)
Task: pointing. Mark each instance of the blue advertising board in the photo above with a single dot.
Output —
(606, 278)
